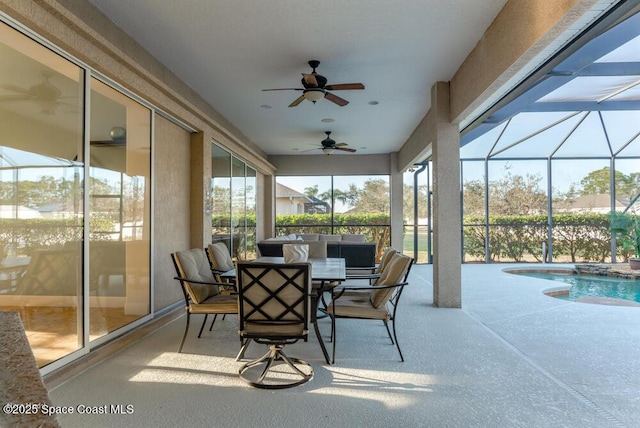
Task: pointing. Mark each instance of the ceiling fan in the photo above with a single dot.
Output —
(118, 136)
(44, 93)
(315, 88)
(328, 145)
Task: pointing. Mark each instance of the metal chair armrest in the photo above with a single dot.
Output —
(221, 284)
(339, 291)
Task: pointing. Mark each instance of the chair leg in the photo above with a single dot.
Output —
(214, 320)
(275, 353)
(389, 332)
(396, 338)
(203, 323)
(243, 349)
(184, 336)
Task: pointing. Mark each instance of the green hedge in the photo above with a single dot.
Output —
(576, 237)
(26, 235)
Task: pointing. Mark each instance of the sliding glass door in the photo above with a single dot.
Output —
(233, 204)
(62, 182)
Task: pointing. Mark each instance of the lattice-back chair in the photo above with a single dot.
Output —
(52, 273)
(377, 302)
(202, 294)
(274, 310)
(107, 268)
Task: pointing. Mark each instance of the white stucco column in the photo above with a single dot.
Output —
(446, 202)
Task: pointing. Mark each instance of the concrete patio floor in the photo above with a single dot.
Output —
(511, 357)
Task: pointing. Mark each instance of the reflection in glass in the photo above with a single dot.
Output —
(41, 176)
(251, 198)
(119, 248)
(238, 212)
(233, 204)
(221, 196)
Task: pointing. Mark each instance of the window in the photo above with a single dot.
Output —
(335, 205)
(233, 204)
(43, 170)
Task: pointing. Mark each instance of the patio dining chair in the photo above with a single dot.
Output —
(220, 261)
(355, 277)
(274, 309)
(202, 294)
(377, 302)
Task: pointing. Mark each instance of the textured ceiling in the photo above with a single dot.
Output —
(228, 51)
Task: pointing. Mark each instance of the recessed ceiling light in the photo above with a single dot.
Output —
(327, 120)
(373, 103)
(265, 106)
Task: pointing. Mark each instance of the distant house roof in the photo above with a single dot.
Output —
(57, 207)
(9, 211)
(310, 202)
(283, 191)
(596, 203)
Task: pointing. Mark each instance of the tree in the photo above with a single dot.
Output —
(312, 191)
(598, 182)
(407, 201)
(473, 194)
(517, 195)
(373, 197)
(338, 195)
(509, 195)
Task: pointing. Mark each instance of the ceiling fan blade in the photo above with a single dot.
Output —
(341, 144)
(108, 143)
(336, 99)
(310, 150)
(310, 79)
(297, 101)
(343, 86)
(345, 149)
(284, 89)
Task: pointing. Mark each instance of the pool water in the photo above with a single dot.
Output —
(593, 286)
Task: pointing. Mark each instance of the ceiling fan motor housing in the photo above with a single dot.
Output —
(328, 142)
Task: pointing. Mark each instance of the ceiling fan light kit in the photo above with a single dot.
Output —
(313, 95)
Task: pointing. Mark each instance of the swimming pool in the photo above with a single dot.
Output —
(586, 286)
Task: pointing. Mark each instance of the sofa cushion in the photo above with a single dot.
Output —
(317, 249)
(325, 237)
(309, 236)
(347, 237)
(290, 237)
